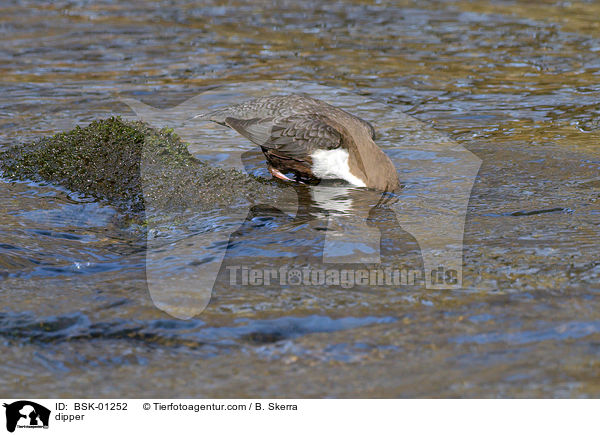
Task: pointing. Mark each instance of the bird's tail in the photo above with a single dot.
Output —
(217, 116)
(202, 116)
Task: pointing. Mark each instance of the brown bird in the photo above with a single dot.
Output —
(311, 139)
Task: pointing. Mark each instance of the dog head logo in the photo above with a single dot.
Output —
(24, 413)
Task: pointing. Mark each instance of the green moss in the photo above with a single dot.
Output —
(122, 162)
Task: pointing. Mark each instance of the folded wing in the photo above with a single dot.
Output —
(295, 137)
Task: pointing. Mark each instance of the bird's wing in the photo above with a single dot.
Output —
(294, 136)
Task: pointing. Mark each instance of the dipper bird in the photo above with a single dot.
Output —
(310, 139)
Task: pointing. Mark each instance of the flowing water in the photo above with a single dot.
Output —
(514, 85)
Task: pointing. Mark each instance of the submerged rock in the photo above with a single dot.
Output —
(122, 162)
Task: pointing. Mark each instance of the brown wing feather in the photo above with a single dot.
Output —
(295, 137)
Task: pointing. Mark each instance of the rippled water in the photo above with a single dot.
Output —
(515, 84)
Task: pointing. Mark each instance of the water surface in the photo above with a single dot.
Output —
(516, 85)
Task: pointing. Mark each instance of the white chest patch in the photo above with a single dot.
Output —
(332, 164)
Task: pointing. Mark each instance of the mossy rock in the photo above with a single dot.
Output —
(112, 160)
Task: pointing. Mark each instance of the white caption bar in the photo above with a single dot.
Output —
(277, 416)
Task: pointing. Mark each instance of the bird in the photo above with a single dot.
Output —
(310, 140)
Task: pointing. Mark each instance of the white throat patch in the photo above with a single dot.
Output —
(332, 164)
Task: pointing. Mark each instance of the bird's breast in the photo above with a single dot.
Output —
(333, 164)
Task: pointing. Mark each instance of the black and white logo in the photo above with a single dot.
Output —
(26, 414)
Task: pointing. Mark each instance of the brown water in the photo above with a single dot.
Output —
(517, 85)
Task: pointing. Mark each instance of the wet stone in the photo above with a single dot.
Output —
(120, 162)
